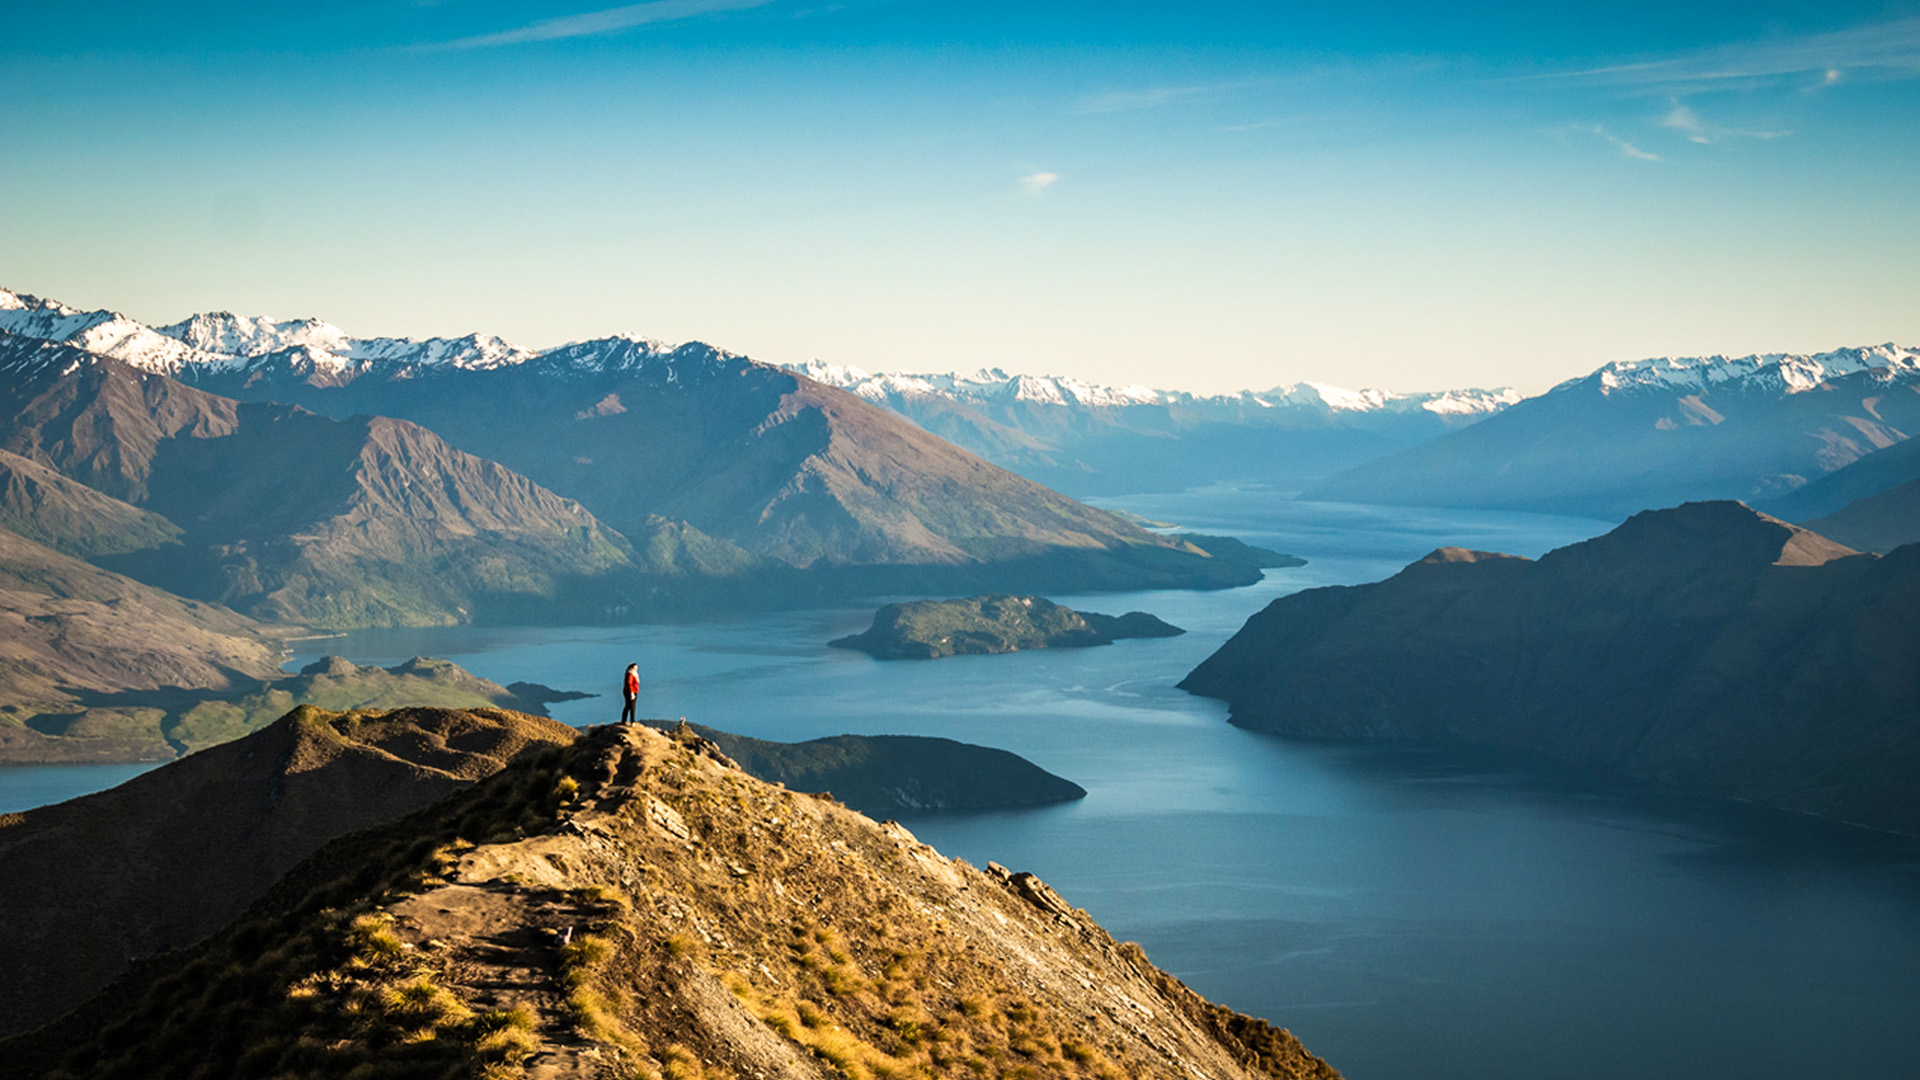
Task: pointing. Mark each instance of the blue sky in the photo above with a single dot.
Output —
(1204, 196)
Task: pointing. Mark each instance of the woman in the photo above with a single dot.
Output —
(630, 686)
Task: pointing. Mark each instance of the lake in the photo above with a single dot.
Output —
(1410, 913)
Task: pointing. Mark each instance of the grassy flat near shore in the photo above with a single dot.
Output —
(170, 722)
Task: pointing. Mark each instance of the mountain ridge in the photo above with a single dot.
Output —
(788, 469)
(633, 904)
(287, 514)
(1659, 432)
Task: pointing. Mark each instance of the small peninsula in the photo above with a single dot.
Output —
(998, 623)
(890, 775)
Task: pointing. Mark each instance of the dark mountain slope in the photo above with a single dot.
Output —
(174, 854)
(1706, 646)
(633, 905)
(785, 467)
(1876, 522)
(1881, 471)
(1872, 504)
(68, 516)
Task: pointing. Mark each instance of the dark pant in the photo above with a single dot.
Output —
(626, 714)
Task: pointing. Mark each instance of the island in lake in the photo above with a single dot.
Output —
(930, 629)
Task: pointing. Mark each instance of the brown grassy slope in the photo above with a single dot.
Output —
(68, 628)
(1706, 646)
(785, 467)
(294, 517)
(174, 854)
(68, 516)
(98, 421)
(633, 906)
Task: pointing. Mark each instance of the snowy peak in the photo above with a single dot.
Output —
(630, 354)
(245, 335)
(1784, 373)
(478, 352)
(995, 386)
(106, 332)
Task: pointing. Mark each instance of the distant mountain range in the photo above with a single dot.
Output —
(1706, 646)
(713, 466)
(1645, 433)
(1087, 439)
(272, 510)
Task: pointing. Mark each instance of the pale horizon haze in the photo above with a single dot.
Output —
(1206, 197)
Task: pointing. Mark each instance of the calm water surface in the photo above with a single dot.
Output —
(1411, 914)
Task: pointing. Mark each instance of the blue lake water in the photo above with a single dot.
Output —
(1410, 913)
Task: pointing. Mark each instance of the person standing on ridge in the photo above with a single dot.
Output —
(630, 688)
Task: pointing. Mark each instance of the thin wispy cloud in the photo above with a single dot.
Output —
(1687, 122)
(1889, 50)
(1038, 182)
(1124, 100)
(605, 21)
(1154, 97)
(1626, 147)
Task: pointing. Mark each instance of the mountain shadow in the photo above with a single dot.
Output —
(1707, 646)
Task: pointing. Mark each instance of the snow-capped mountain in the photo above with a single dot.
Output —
(716, 467)
(1785, 373)
(226, 342)
(1088, 439)
(1078, 436)
(996, 386)
(244, 337)
(108, 333)
(1640, 434)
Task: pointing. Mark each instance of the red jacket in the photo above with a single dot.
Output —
(633, 684)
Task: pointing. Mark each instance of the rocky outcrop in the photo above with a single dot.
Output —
(635, 906)
(1706, 646)
(930, 629)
